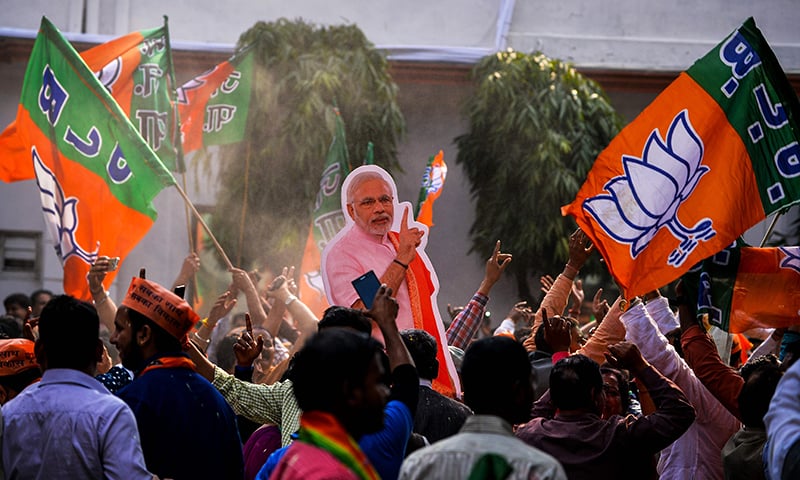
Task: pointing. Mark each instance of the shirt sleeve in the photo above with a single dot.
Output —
(783, 423)
(720, 379)
(122, 450)
(341, 268)
(555, 301)
(642, 330)
(467, 322)
(609, 332)
(257, 402)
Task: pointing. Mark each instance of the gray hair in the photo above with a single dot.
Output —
(360, 180)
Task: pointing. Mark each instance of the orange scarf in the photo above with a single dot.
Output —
(420, 291)
(169, 362)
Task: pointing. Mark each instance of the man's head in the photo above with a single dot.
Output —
(17, 305)
(18, 367)
(370, 203)
(341, 372)
(39, 299)
(761, 378)
(345, 317)
(576, 384)
(615, 391)
(69, 335)
(496, 375)
(422, 347)
(150, 320)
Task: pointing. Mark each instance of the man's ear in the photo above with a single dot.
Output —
(144, 335)
(351, 212)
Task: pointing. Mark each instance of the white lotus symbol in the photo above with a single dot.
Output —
(433, 178)
(60, 214)
(648, 196)
(792, 258)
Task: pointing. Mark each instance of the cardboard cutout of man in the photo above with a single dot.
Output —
(380, 236)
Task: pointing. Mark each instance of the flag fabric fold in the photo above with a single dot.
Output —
(213, 106)
(96, 175)
(431, 188)
(740, 287)
(135, 69)
(327, 220)
(713, 154)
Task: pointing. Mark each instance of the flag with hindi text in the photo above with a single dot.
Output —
(213, 106)
(713, 154)
(96, 175)
(135, 69)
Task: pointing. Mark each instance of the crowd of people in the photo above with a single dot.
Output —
(141, 387)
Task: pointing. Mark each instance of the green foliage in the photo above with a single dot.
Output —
(536, 126)
(302, 71)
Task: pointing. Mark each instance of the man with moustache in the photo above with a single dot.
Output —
(369, 244)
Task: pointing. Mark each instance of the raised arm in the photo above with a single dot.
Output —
(463, 327)
(106, 308)
(190, 267)
(304, 318)
(242, 281)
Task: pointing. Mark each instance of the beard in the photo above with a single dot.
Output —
(379, 228)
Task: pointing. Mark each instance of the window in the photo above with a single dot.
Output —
(21, 254)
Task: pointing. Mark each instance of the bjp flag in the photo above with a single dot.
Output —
(136, 70)
(714, 154)
(742, 287)
(431, 187)
(96, 175)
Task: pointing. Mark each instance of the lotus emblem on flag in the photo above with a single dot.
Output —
(433, 178)
(792, 258)
(60, 214)
(648, 196)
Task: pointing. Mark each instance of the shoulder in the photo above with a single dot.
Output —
(306, 462)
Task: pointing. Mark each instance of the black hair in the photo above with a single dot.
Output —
(226, 358)
(761, 377)
(422, 347)
(10, 327)
(17, 299)
(41, 291)
(493, 367)
(163, 340)
(574, 382)
(69, 331)
(329, 364)
(337, 316)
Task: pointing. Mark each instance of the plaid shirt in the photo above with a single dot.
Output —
(467, 322)
(261, 403)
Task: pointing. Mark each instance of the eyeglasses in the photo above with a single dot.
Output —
(370, 202)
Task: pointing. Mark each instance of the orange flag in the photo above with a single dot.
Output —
(432, 184)
(714, 154)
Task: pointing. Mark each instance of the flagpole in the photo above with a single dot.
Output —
(244, 204)
(205, 226)
(771, 227)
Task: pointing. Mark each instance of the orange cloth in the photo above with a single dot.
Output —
(163, 307)
(16, 356)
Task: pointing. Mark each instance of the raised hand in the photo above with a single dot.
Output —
(547, 283)
(600, 306)
(626, 355)
(521, 312)
(495, 266)
(384, 308)
(221, 307)
(557, 332)
(578, 251)
(246, 349)
(409, 238)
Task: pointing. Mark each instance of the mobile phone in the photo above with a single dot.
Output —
(113, 263)
(367, 286)
(179, 290)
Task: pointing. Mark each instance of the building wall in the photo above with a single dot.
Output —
(626, 35)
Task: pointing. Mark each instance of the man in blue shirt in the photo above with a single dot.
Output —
(176, 409)
(68, 425)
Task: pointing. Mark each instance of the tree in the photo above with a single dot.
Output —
(302, 72)
(536, 126)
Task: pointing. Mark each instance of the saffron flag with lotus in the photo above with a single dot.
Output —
(327, 220)
(213, 106)
(431, 188)
(743, 287)
(136, 70)
(96, 175)
(715, 153)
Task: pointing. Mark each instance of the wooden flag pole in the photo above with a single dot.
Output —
(205, 226)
